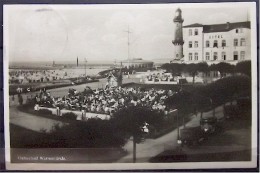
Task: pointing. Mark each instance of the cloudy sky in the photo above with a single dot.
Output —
(97, 32)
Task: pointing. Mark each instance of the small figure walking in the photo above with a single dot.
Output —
(20, 99)
(12, 100)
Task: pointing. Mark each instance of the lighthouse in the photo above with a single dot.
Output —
(178, 36)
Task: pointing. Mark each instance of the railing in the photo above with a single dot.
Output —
(81, 115)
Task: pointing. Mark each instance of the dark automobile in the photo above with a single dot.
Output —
(231, 111)
(208, 125)
(244, 105)
(240, 109)
(191, 136)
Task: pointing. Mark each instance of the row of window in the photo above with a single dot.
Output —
(215, 56)
(242, 42)
(224, 44)
(196, 44)
(196, 32)
(215, 43)
(215, 36)
(196, 56)
(223, 55)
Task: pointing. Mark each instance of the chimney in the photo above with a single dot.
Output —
(228, 25)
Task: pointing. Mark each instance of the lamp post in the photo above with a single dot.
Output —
(212, 107)
(85, 67)
(201, 113)
(178, 128)
(134, 149)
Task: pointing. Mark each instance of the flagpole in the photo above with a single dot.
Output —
(128, 45)
(85, 67)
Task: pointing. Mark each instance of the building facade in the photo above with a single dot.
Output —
(137, 63)
(228, 42)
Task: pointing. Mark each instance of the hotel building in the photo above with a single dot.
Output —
(228, 42)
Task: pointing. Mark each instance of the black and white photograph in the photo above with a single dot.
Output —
(130, 86)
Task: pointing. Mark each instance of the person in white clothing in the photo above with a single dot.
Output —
(36, 107)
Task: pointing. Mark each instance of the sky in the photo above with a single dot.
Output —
(98, 32)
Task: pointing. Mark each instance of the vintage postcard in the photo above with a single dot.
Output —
(130, 86)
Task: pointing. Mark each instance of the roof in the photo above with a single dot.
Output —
(225, 27)
(193, 25)
(137, 60)
(221, 27)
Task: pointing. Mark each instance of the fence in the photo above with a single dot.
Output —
(81, 115)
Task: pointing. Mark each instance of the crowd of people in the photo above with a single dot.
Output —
(156, 77)
(106, 101)
(32, 76)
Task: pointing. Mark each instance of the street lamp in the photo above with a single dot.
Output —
(211, 103)
(85, 67)
(178, 128)
(212, 107)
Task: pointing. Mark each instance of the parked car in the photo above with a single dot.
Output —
(191, 136)
(208, 125)
(241, 109)
(231, 111)
(244, 105)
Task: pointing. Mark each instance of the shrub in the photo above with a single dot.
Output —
(44, 112)
(93, 133)
(70, 116)
(25, 107)
(138, 116)
(244, 67)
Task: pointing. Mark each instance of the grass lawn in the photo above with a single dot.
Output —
(31, 111)
(24, 142)
(24, 138)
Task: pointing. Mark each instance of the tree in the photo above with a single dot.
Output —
(93, 133)
(174, 68)
(129, 122)
(200, 101)
(224, 90)
(244, 67)
(119, 78)
(223, 68)
(193, 69)
(181, 101)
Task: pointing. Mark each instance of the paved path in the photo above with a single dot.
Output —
(152, 147)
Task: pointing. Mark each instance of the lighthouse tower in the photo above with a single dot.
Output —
(178, 36)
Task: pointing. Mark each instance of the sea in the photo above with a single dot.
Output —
(71, 67)
(89, 69)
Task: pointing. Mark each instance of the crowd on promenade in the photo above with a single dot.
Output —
(32, 76)
(159, 77)
(106, 101)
